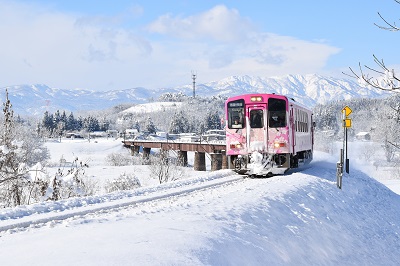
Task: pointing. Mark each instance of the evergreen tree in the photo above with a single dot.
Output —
(180, 123)
(79, 123)
(91, 124)
(12, 173)
(71, 123)
(63, 118)
(150, 127)
(213, 121)
(48, 121)
(56, 118)
(136, 126)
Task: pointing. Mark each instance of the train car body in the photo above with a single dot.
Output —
(267, 134)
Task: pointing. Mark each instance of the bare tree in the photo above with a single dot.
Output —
(387, 79)
(165, 169)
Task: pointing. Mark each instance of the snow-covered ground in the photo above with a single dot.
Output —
(210, 218)
(152, 107)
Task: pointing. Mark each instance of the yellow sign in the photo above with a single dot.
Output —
(347, 111)
(346, 122)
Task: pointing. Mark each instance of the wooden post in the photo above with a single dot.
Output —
(199, 161)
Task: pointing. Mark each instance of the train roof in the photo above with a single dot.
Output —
(289, 99)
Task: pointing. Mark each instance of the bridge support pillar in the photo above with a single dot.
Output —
(224, 160)
(182, 158)
(216, 161)
(135, 150)
(199, 161)
(146, 155)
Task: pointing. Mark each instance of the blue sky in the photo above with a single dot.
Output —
(105, 45)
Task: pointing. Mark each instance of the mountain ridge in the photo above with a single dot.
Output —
(308, 89)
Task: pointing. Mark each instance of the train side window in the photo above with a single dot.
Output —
(276, 112)
(256, 118)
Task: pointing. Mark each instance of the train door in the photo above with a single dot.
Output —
(257, 135)
(293, 129)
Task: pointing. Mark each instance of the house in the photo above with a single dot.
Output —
(363, 136)
(214, 135)
(112, 133)
(130, 133)
(73, 135)
(98, 134)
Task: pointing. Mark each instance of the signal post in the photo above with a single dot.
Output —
(343, 161)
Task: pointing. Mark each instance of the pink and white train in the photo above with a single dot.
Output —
(267, 134)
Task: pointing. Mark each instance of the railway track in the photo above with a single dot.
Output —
(15, 223)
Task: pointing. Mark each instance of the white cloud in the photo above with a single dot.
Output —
(220, 43)
(219, 23)
(40, 45)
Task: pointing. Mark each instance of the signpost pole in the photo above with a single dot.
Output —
(346, 111)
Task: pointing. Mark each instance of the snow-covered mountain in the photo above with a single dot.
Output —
(307, 89)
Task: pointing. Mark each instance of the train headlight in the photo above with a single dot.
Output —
(279, 144)
(235, 145)
(256, 99)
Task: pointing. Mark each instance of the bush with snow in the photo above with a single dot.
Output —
(123, 182)
(119, 159)
(70, 183)
(164, 169)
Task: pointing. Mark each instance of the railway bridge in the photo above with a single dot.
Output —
(216, 151)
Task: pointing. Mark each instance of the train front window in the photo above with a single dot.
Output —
(236, 114)
(276, 112)
(256, 118)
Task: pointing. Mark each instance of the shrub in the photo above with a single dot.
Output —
(123, 182)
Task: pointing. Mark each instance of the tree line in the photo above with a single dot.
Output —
(59, 122)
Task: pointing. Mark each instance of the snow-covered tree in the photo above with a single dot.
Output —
(48, 122)
(136, 126)
(213, 120)
(20, 150)
(179, 123)
(150, 127)
(13, 173)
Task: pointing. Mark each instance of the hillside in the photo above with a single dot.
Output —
(308, 89)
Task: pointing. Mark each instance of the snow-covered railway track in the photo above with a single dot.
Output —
(34, 219)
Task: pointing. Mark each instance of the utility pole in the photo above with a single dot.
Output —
(194, 75)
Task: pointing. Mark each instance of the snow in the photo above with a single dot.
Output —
(152, 107)
(210, 218)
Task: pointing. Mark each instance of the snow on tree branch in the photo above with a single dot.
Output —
(387, 79)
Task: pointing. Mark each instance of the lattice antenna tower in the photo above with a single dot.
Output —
(194, 76)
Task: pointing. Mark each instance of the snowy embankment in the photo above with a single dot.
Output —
(301, 218)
